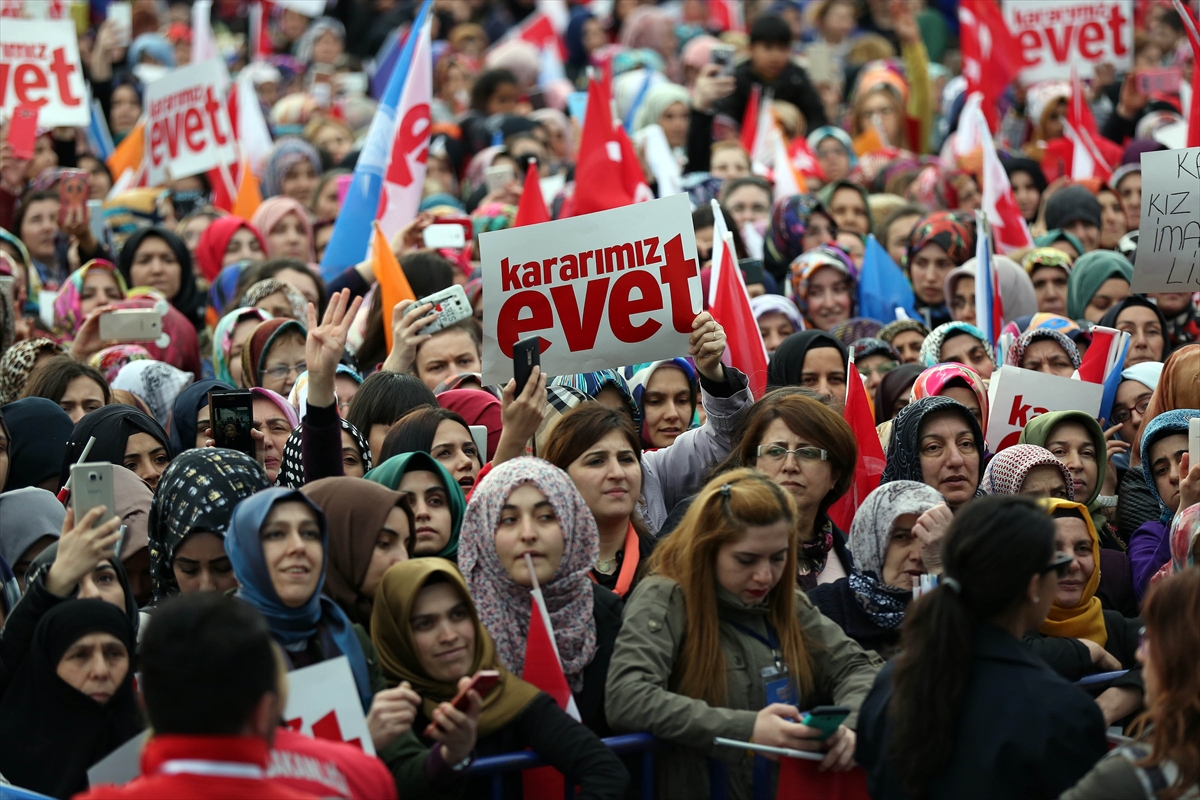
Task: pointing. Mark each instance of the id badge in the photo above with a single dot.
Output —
(780, 689)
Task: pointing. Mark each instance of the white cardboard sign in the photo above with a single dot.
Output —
(188, 130)
(1053, 37)
(601, 290)
(1018, 395)
(39, 66)
(323, 703)
(1168, 254)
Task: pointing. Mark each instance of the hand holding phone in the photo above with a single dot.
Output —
(826, 719)
(482, 683)
(526, 355)
(73, 189)
(22, 132)
(500, 177)
(450, 306)
(231, 418)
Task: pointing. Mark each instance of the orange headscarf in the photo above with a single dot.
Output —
(1085, 620)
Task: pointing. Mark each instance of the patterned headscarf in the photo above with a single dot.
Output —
(156, 383)
(18, 361)
(269, 286)
(291, 467)
(639, 377)
(559, 400)
(503, 604)
(68, 304)
(807, 264)
(775, 304)
(944, 230)
(889, 332)
(851, 330)
(904, 449)
(1164, 424)
(786, 229)
(931, 348)
(1007, 470)
(934, 380)
(1016, 353)
(287, 153)
(1037, 431)
(1184, 536)
(592, 383)
(223, 335)
(869, 346)
(872, 527)
(830, 132)
(196, 493)
(1046, 257)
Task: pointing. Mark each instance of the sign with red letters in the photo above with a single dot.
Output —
(1017, 395)
(1053, 37)
(323, 703)
(188, 131)
(601, 290)
(39, 67)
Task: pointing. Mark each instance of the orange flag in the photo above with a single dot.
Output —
(392, 282)
(249, 196)
(128, 154)
(532, 208)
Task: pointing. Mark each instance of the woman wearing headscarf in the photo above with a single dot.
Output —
(961, 343)
(370, 529)
(777, 317)
(1028, 182)
(285, 224)
(434, 496)
(1016, 290)
(354, 456)
(869, 603)
(1099, 280)
(18, 361)
(893, 393)
(514, 715)
(666, 393)
(1028, 469)
(291, 170)
(1050, 271)
(1130, 410)
(226, 241)
(1147, 326)
(125, 437)
(848, 206)
(96, 283)
(812, 359)
(69, 699)
(38, 432)
(476, 408)
(874, 359)
(937, 244)
(1080, 623)
(907, 336)
(273, 356)
(834, 151)
(156, 383)
(31, 519)
(277, 298)
(158, 258)
(506, 519)
(822, 286)
(189, 516)
(937, 441)
(182, 345)
(957, 382)
(1044, 350)
(229, 340)
(798, 224)
(186, 423)
(607, 386)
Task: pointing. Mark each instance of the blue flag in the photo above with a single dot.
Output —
(352, 231)
(882, 287)
(385, 63)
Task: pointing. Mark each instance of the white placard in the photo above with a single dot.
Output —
(188, 131)
(1054, 37)
(1017, 395)
(309, 8)
(601, 290)
(121, 765)
(323, 703)
(1168, 254)
(39, 66)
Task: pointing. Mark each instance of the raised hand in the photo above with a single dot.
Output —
(706, 345)
(80, 548)
(325, 345)
(408, 319)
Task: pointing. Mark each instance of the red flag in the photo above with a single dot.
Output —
(726, 15)
(1193, 35)
(1092, 156)
(600, 157)
(869, 467)
(750, 119)
(532, 208)
(631, 169)
(800, 779)
(543, 670)
(990, 54)
(729, 304)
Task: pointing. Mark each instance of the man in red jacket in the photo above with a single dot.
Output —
(210, 680)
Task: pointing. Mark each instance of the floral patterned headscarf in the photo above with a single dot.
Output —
(222, 336)
(807, 264)
(931, 348)
(946, 231)
(68, 305)
(934, 380)
(788, 224)
(1046, 257)
(110, 360)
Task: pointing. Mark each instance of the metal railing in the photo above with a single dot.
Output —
(496, 767)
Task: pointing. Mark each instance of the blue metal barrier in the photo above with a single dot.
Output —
(496, 767)
(1102, 677)
(13, 793)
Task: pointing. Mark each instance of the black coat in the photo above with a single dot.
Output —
(1023, 733)
(836, 601)
(793, 85)
(606, 610)
(1070, 658)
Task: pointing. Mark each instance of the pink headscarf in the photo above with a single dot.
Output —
(273, 210)
(933, 381)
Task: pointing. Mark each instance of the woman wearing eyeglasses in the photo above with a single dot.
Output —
(966, 710)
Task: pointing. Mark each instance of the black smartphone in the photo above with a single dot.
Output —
(231, 417)
(526, 354)
(752, 270)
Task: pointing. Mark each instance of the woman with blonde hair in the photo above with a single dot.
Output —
(717, 642)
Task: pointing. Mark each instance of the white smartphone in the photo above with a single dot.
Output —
(445, 236)
(722, 55)
(479, 434)
(499, 177)
(7, 282)
(1193, 442)
(449, 306)
(121, 15)
(91, 486)
(131, 325)
(95, 209)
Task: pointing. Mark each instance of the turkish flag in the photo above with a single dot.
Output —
(869, 467)
(544, 670)
(532, 208)
(600, 157)
(729, 304)
(1092, 156)
(990, 54)
(1193, 35)
(749, 132)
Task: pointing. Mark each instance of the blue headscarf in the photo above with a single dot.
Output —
(1164, 424)
(290, 626)
(592, 383)
(576, 55)
(154, 45)
(638, 376)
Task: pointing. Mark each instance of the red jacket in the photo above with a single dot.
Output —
(201, 768)
(328, 769)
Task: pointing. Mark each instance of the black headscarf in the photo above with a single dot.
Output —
(41, 565)
(896, 384)
(189, 300)
(196, 493)
(1109, 320)
(38, 430)
(904, 448)
(52, 732)
(1030, 167)
(787, 362)
(112, 426)
(187, 408)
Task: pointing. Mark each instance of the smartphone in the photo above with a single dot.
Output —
(351, 84)
(131, 325)
(231, 418)
(1193, 442)
(449, 305)
(577, 106)
(22, 132)
(322, 93)
(752, 270)
(479, 434)
(95, 209)
(484, 681)
(722, 55)
(825, 719)
(91, 486)
(121, 15)
(74, 187)
(8, 283)
(499, 177)
(1154, 81)
(526, 354)
(441, 235)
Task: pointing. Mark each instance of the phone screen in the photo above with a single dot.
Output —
(231, 418)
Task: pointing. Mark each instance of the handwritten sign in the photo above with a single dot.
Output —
(1018, 395)
(323, 703)
(601, 290)
(39, 67)
(1056, 36)
(1168, 255)
(188, 131)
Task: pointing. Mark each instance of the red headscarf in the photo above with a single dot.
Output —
(210, 250)
(477, 408)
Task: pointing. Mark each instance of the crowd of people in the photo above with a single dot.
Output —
(684, 533)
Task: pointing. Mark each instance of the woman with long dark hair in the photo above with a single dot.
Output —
(966, 710)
